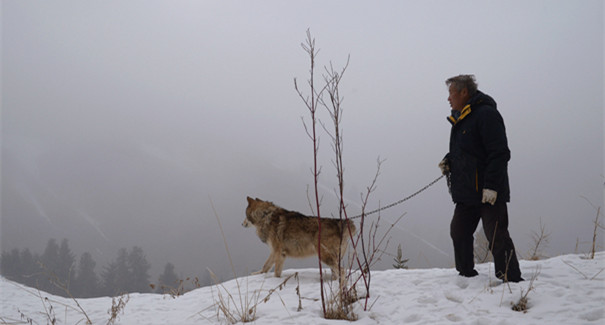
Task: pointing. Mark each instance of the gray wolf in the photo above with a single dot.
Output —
(292, 234)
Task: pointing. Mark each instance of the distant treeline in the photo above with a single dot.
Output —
(57, 272)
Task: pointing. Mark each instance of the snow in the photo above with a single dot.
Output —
(567, 289)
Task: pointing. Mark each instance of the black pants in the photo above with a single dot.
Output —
(495, 225)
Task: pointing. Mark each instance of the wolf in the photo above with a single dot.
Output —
(292, 234)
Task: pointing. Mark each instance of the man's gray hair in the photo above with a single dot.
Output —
(463, 81)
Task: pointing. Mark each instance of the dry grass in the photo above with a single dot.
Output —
(523, 304)
(283, 285)
(242, 309)
(587, 277)
(340, 304)
(242, 306)
(229, 309)
(234, 309)
(47, 303)
(117, 308)
(180, 288)
(65, 287)
(49, 310)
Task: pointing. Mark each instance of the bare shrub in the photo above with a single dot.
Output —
(312, 103)
(366, 248)
(597, 226)
(540, 241)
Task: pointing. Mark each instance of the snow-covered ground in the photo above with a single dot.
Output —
(568, 289)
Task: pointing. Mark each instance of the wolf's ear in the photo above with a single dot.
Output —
(249, 199)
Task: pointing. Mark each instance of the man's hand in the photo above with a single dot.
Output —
(489, 196)
(444, 165)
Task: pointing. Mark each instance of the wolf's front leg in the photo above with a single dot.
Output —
(267, 265)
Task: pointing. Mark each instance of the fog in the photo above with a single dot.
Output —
(124, 122)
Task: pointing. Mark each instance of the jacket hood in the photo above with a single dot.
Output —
(481, 99)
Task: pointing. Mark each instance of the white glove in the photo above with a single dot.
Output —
(444, 165)
(489, 196)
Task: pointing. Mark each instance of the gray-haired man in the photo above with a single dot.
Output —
(477, 164)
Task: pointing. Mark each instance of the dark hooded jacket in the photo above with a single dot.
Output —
(479, 153)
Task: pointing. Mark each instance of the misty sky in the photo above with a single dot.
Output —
(123, 120)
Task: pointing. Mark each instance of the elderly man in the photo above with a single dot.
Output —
(477, 164)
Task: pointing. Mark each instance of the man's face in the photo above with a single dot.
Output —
(457, 98)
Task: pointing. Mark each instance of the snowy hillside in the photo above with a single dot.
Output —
(567, 290)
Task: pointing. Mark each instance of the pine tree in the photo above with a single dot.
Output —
(10, 264)
(86, 281)
(49, 265)
(66, 264)
(123, 278)
(116, 276)
(399, 261)
(167, 280)
(109, 280)
(139, 271)
(5, 264)
(30, 267)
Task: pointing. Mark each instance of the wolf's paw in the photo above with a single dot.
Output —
(256, 273)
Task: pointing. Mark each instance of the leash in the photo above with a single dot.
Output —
(405, 198)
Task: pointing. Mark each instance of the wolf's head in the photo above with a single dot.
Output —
(256, 211)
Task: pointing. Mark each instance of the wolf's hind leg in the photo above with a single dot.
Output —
(279, 263)
(331, 261)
